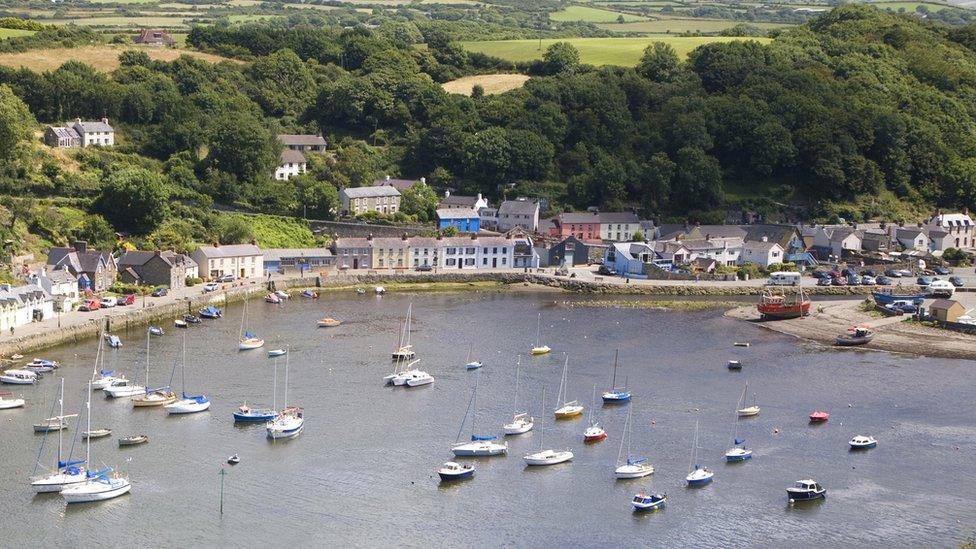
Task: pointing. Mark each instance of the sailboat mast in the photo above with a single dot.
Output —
(613, 380)
(60, 419)
(183, 367)
(518, 368)
(286, 378)
(538, 331)
(274, 387)
(592, 404)
(620, 449)
(542, 421)
(147, 360)
(474, 401)
(88, 439)
(694, 447)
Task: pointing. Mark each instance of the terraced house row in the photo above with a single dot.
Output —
(511, 251)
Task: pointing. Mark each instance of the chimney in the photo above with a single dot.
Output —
(479, 197)
(369, 237)
(965, 210)
(423, 180)
(80, 246)
(447, 194)
(157, 253)
(105, 121)
(765, 238)
(78, 120)
(404, 237)
(254, 242)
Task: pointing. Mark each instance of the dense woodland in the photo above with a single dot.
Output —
(859, 114)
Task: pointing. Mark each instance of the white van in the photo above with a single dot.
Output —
(784, 278)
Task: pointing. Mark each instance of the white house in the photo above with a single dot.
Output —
(61, 285)
(618, 226)
(237, 260)
(726, 251)
(521, 212)
(940, 240)
(460, 201)
(958, 225)
(761, 252)
(291, 162)
(628, 258)
(23, 304)
(844, 238)
(913, 238)
(94, 133)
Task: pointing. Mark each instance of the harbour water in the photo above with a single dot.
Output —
(363, 471)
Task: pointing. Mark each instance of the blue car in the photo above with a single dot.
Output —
(940, 270)
(883, 281)
(924, 280)
(956, 281)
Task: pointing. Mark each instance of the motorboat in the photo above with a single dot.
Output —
(775, 304)
(568, 409)
(734, 365)
(121, 388)
(455, 471)
(188, 404)
(133, 440)
(104, 378)
(16, 356)
(156, 331)
(276, 352)
(287, 424)
(806, 490)
(862, 442)
(18, 377)
(41, 366)
(50, 424)
(282, 294)
(309, 294)
(328, 323)
(180, 323)
(10, 403)
(819, 416)
(473, 365)
(546, 456)
(96, 433)
(698, 475)
(113, 341)
(193, 319)
(66, 471)
(210, 312)
(856, 335)
(615, 395)
(539, 348)
(272, 298)
(649, 502)
(234, 459)
(634, 467)
(379, 290)
(246, 414)
(360, 291)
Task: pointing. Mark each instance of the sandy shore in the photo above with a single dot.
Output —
(829, 319)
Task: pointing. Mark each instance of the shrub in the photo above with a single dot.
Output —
(193, 281)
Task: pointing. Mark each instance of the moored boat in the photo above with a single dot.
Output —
(734, 365)
(616, 395)
(290, 422)
(539, 348)
(133, 440)
(887, 297)
(234, 459)
(192, 319)
(806, 490)
(18, 377)
(634, 467)
(862, 442)
(328, 323)
(521, 422)
(649, 502)
(272, 298)
(10, 403)
(156, 331)
(96, 433)
(210, 312)
(479, 445)
(41, 366)
(276, 352)
(698, 475)
(66, 472)
(309, 294)
(455, 471)
(856, 335)
(547, 456)
(775, 304)
(113, 341)
(568, 409)
(819, 416)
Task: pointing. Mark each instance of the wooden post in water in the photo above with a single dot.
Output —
(223, 472)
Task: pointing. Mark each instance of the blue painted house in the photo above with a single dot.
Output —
(465, 219)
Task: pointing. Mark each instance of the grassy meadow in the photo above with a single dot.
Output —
(591, 15)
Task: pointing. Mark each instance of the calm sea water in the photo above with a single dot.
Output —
(362, 473)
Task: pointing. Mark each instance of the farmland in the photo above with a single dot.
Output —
(591, 15)
(10, 33)
(492, 83)
(103, 58)
(678, 26)
(594, 51)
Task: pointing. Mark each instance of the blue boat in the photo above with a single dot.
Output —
(738, 452)
(210, 312)
(649, 502)
(616, 395)
(246, 414)
(455, 471)
(887, 297)
(806, 490)
(113, 341)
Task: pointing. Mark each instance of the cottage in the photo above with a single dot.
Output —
(23, 304)
(959, 226)
(466, 220)
(303, 142)
(291, 162)
(704, 265)
(398, 184)
(726, 251)
(423, 251)
(476, 202)
(629, 258)
(390, 253)
(459, 252)
(844, 239)
(235, 260)
(584, 226)
(383, 199)
(488, 218)
(156, 268)
(876, 241)
(97, 133)
(568, 252)
(353, 253)
(524, 253)
(946, 310)
(61, 285)
(521, 212)
(154, 37)
(95, 270)
(282, 260)
(912, 238)
(763, 253)
(61, 137)
(618, 226)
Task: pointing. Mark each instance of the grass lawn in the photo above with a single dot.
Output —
(251, 17)
(596, 51)
(678, 26)
(103, 58)
(492, 83)
(591, 15)
(10, 33)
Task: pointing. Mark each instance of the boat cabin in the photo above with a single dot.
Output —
(808, 485)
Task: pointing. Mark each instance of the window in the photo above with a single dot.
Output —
(470, 251)
(485, 251)
(494, 250)
(425, 251)
(469, 261)
(504, 260)
(450, 262)
(484, 261)
(451, 251)
(504, 250)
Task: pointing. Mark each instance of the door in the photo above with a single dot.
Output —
(494, 262)
(242, 274)
(355, 263)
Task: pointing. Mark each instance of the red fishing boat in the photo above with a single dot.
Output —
(775, 304)
(819, 417)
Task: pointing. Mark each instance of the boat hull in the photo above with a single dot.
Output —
(276, 434)
(254, 417)
(121, 392)
(699, 478)
(748, 412)
(780, 311)
(851, 341)
(645, 504)
(133, 441)
(544, 350)
(7, 404)
(56, 482)
(616, 398)
(633, 471)
(568, 412)
(738, 456)
(95, 491)
(518, 428)
(96, 433)
(479, 450)
(547, 457)
(452, 476)
(188, 406)
(805, 495)
(247, 345)
(866, 446)
(595, 437)
(154, 399)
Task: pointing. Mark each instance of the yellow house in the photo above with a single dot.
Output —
(391, 253)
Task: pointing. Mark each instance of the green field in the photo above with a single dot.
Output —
(909, 6)
(10, 33)
(249, 17)
(595, 51)
(591, 15)
(126, 22)
(678, 26)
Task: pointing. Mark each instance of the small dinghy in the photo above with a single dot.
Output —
(133, 440)
(734, 365)
(379, 290)
(41, 366)
(360, 291)
(741, 344)
(96, 433)
(329, 323)
(180, 323)
(282, 294)
(192, 319)
(234, 459)
(276, 352)
(209, 312)
(819, 416)
(156, 331)
(649, 502)
(113, 341)
(272, 298)
(806, 490)
(455, 471)
(309, 294)
(862, 442)
(50, 424)
(10, 403)
(856, 335)
(16, 357)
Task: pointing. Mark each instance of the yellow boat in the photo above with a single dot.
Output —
(571, 408)
(539, 348)
(544, 350)
(155, 398)
(329, 323)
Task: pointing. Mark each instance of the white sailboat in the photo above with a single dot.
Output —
(187, 404)
(66, 472)
(404, 350)
(290, 421)
(539, 348)
(738, 452)
(152, 397)
(546, 456)
(594, 433)
(471, 364)
(480, 445)
(410, 376)
(634, 467)
(248, 340)
(697, 475)
(748, 411)
(521, 422)
(568, 408)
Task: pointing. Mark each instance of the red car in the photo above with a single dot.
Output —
(90, 305)
(127, 299)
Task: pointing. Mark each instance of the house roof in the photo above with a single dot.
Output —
(92, 126)
(63, 132)
(909, 233)
(760, 245)
(277, 254)
(423, 242)
(137, 258)
(22, 294)
(842, 233)
(292, 156)
(618, 217)
(952, 220)
(674, 231)
(229, 250)
(152, 36)
(457, 213)
(782, 234)
(301, 139)
(457, 200)
(938, 234)
(578, 217)
(370, 192)
(521, 207)
(352, 243)
(86, 262)
(944, 304)
(398, 184)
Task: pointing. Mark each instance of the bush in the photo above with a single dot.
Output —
(774, 267)
(193, 281)
(750, 269)
(957, 257)
(119, 287)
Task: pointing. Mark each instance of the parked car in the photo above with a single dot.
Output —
(906, 307)
(834, 274)
(226, 278)
(940, 270)
(883, 281)
(820, 275)
(606, 271)
(210, 287)
(956, 281)
(923, 280)
(847, 272)
(839, 281)
(868, 280)
(825, 281)
(127, 299)
(893, 273)
(108, 302)
(906, 273)
(160, 292)
(423, 268)
(90, 305)
(869, 272)
(854, 280)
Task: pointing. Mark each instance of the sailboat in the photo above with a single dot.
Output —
(404, 350)
(246, 414)
(98, 485)
(480, 445)
(568, 409)
(615, 395)
(152, 397)
(634, 467)
(539, 348)
(187, 404)
(248, 340)
(111, 384)
(66, 472)
(738, 452)
(410, 376)
(522, 422)
(748, 411)
(548, 456)
(593, 433)
(698, 475)
(290, 421)
(472, 364)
